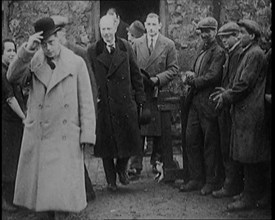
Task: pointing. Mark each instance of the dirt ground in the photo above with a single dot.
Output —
(146, 199)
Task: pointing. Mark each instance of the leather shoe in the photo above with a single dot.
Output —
(191, 185)
(112, 187)
(237, 197)
(123, 178)
(208, 188)
(8, 207)
(242, 204)
(222, 193)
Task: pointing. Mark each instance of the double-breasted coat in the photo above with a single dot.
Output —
(161, 63)
(117, 76)
(246, 96)
(60, 116)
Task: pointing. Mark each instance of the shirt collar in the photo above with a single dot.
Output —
(154, 38)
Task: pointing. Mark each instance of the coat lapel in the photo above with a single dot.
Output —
(144, 51)
(118, 58)
(62, 70)
(41, 69)
(159, 48)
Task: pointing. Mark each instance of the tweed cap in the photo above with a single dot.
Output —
(46, 25)
(250, 26)
(208, 23)
(136, 29)
(229, 28)
(60, 21)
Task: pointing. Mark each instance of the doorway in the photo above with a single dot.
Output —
(131, 10)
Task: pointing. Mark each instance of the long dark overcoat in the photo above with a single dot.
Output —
(117, 130)
(248, 136)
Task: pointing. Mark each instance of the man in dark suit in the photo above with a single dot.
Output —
(121, 25)
(202, 131)
(117, 74)
(156, 55)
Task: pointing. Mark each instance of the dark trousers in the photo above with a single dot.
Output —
(254, 179)
(136, 161)
(110, 168)
(88, 182)
(202, 146)
(8, 190)
(233, 170)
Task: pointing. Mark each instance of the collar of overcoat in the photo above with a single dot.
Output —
(50, 78)
(161, 43)
(208, 50)
(119, 56)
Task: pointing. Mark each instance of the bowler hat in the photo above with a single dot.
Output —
(136, 29)
(229, 28)
(251, 26)
(208, 23)
(46, 25)
(60, 21)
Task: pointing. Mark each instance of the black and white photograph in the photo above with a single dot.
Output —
(136, 109)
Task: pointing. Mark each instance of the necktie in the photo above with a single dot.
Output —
(50, 62)
(151, 47)
(112, 48)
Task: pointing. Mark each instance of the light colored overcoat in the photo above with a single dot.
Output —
(60, 117)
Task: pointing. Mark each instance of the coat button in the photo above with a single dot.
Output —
(40, 106)
(64, 138)
(64, 121)
(66, 106)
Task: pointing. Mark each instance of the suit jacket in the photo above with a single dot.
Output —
(207, 78)
(161, 63)
(117, 131)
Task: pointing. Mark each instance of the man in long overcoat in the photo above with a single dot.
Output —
(248, 143)
(156, 54)
(202, 131)
(233, 183)
(60, 123)
(117, 76)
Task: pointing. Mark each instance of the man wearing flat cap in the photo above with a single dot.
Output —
(62, 22)
(233, 182)
(202, 131)
(60, 123)
(249, 143)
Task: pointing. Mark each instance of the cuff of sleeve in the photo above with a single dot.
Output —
(24, 54)
(87, 138)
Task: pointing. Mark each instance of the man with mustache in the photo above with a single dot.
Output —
(202, 132)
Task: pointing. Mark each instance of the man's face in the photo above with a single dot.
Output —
(51, 46)
(245, 37)
(108, 29)
(9, 52)
(229, 40)
(152, 26)
(208, 34)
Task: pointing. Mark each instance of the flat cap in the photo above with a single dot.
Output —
(251, 26)
(208, 22)
(229, 28)
(136, 29)
(60, 21)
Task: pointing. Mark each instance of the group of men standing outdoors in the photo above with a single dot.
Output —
(106, 98)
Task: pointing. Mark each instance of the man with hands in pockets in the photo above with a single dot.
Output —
(60, 123)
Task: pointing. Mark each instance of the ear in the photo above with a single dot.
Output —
(160, 25)
(252, 36)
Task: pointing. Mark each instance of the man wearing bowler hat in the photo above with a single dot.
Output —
(202, 131)
(249, 143)
(136, 30)
(60, 123)
(62, 22)
(233, 183)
